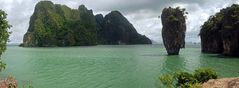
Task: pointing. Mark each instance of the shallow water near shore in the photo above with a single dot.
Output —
(123, 66)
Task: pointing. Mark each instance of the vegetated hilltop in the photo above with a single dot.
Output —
(58, 25)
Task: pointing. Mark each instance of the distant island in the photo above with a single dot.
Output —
(53, 25)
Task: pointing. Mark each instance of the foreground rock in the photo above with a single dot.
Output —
(10, 82)
(222, 83)
(114, 28)
(174, 28)
(220, 34)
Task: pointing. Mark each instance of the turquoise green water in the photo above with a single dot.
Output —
(134, 66)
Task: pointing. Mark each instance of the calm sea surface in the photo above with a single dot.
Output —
(124, 66)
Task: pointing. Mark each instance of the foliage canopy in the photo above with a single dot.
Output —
(187, 80)
(4, 35)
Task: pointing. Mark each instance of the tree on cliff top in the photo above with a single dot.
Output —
(4, 35)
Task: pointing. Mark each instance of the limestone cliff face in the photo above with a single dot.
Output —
(100, 20)
(58, 25)
(174, 28)
(220, 34)
(114, 28)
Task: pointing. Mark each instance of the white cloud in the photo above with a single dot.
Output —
(147, 23)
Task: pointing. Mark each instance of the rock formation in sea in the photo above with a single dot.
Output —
(174, 28)
(114, 28)
(220, 34)
(58, 25)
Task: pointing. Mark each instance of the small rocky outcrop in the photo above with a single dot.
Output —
(220, 34)
(10, 82)
(174, 28)
(222, 83)
(115, 29)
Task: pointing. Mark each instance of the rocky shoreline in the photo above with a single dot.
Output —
(10, 82)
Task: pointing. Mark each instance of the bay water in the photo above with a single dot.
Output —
(107, 66)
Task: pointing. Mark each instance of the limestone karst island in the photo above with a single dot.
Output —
(119, 44)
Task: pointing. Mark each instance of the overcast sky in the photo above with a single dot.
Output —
(143, 14)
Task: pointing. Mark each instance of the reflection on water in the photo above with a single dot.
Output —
(124, 66)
